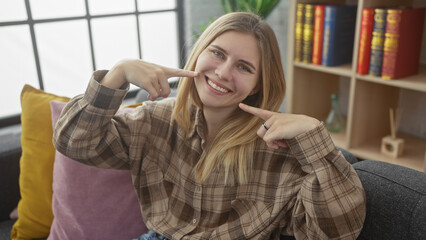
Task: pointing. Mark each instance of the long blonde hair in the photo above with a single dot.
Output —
(233, 146)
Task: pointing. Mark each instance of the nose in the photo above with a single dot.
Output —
(224, 71)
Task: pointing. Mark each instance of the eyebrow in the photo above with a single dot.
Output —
(241, 60)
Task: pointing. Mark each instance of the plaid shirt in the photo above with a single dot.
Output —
(308, 190)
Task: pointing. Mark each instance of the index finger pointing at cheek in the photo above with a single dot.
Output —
(172, 72)
(262, 113)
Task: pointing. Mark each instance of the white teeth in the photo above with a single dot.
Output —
(216, 87)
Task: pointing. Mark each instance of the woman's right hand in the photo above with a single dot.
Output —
(151, 77)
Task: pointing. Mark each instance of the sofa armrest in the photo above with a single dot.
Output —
(396, 201)
(349, 156)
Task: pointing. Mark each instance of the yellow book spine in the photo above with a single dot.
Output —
(299, 32)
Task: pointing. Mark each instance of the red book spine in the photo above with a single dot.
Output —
(366, 33)
(318, 34)
(403, 40)
(390, 48)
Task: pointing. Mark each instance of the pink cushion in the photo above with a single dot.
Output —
(92, 203)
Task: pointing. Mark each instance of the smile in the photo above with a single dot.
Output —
(216, 87)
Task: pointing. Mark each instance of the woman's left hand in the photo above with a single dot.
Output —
(279, 127)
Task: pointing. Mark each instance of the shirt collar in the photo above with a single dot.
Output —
(199, 123)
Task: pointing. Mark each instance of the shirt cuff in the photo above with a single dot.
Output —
(101, 96)
(312, 145)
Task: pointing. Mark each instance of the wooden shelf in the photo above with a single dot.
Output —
(415, 82)
(369, 98)
(343, 70)
(412, 157)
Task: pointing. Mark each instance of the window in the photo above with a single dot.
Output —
(55, 45)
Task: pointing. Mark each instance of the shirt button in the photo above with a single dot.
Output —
(194, 221)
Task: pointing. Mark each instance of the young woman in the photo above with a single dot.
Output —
(217, 162)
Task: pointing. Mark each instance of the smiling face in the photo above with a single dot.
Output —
(229, 71)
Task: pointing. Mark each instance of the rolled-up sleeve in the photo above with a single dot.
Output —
(331, 200)
(87, 130)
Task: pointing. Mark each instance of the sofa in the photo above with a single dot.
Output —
(396, 196)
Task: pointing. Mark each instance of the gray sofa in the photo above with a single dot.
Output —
(396, 196)
(10, 152)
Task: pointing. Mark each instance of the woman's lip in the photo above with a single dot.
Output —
(217, 84)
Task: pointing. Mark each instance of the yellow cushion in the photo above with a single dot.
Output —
(36, 164)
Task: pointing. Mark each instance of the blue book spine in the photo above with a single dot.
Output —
(328, 38)
(339, 34)
(377, 42)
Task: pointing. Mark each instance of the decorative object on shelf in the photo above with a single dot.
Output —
(391, 145)
(339, 32)
(403, 42)
(335, 122)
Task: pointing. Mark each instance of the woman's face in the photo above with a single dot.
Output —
(229, 70)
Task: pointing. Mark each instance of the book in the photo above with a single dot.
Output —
(377, 42)
(339, 31)
(318, 34)
(308, 33)
(403, 40)
(367, 21)
(298, 35)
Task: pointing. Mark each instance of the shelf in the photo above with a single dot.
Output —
(344, 70)
(414, 82)
(413, 155)
(367, 98)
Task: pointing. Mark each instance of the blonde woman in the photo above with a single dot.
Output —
(217, 162)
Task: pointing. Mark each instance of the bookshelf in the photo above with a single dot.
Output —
(368, 98)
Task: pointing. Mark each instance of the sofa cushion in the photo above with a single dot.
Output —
(90, 202)
(396, 201)
(36, 165)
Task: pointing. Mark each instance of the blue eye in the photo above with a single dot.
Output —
(244, 68)
(217, 53)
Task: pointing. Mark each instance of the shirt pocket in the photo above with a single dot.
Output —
(254, 216)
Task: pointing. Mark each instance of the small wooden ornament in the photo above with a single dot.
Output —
(391, 145)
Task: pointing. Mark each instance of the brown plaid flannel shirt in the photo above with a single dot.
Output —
(308, 190)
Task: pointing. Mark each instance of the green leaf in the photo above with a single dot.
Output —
(226, 6)
(261, 7)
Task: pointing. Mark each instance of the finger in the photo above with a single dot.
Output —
(176, 72)
(164, 85)
(262, 113)
(261, 132)
(272, 145)
(153, 92)
(282, 144)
